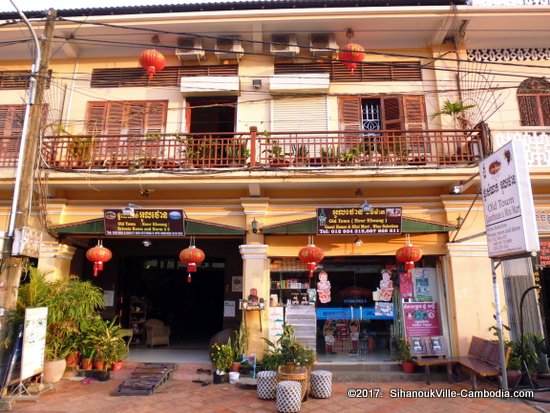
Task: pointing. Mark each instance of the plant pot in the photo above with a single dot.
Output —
(99, 364)
(233, 377)
(86, 363)
(73, 359)
(220, 378)
(102, 375)
(408, 367)
(53, 370)
(235, 366)
(513, 376)
(116, 366)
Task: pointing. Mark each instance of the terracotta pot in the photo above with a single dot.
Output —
(514, 376)
(86, 363)
(99, 364)
(408, 367)
(73, 359)
(116, 366)
(235, 366)
(53, 370)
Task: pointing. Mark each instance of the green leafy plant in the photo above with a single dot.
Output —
(287, 351)
(276, 153)
(300, 153)
(239, 343)
(403, 350)
(237, 151)
(106, 339)
(221, 356)
(456, 110)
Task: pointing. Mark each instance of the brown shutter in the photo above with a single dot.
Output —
(350, 113)
(415, 112)
(95, 117)
(115, 119)
(155, 120)
(134, 118)
(528, 111)
(545, 109)
(392, 112)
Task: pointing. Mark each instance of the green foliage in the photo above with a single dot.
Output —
(288, 351)
(239, 343)
(70, 303)
(237, 151)
(221, 356)
(453, 109)
(403, 350)
(533, 345)
(103, 340)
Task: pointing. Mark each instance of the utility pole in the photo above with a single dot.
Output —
(10, 272)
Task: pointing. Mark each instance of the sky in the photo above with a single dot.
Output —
(5, 5)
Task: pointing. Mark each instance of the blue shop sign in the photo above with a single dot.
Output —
(349, 313)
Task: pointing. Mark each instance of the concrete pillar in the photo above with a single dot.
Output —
(256, 275)
(55, 260)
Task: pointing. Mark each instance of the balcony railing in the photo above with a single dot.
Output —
(536, 142)
(252, 150)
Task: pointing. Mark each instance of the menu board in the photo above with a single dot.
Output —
(34, 341)
(144, 222)
(357, 221)
(544, 257)
(421, 319)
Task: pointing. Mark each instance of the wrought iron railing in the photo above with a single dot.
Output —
(253, 150)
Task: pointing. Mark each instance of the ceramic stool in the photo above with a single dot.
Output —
(321, 384)
(289, 397)
(267, 384)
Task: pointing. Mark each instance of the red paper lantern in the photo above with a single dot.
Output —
(351, 54)
(409, 254)
(99, 255)
(152, 61)
(311, 256)
(191, 257)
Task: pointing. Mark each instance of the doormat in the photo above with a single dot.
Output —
(145, 379)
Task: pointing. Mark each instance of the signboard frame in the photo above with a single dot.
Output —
(34, 342)
(373, 221)
(133, 224)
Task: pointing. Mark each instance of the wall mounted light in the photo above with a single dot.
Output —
(456, 189)
(254, 225)
(146, 243)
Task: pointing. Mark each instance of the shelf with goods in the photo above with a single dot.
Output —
(287, 284)
(137, 319)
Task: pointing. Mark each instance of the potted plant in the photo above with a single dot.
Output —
(237, 153)
(221, 356)
(73, 344)
(513, 371)
(300, 155)
(404, 355)
(239, 344)
(276, 154)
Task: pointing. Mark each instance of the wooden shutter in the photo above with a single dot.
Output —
(155, 116)
(528, 111)
(350, 113)
(11, 123)
(392, 112)
(545, 109)
(95, 118)
(134, 118)
(415, 112)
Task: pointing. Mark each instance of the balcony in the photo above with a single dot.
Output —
(535, 140)
(265, 151)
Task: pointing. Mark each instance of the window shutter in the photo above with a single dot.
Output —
(95, 118)
(350, 113)
(114, 120)
(303, 114)
(155, 116)
(545, 109)
(528, 110)
(134, 117)
(415, 112)
(392, 112)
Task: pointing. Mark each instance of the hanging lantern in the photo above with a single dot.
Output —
(99, 255)
(311, 255)
(352, 53)
(409, 254)
(191, 257)
(152, 61)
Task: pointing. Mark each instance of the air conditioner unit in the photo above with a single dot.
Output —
(190, 48)
(229, 48)
(284, 45)
(323, 44)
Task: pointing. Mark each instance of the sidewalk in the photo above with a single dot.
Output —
(181, 395)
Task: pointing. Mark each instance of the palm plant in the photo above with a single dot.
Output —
(455, 110)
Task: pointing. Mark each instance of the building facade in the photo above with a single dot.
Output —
(255, 129)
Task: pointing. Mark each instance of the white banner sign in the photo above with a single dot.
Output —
(508, 202)
(34, 341)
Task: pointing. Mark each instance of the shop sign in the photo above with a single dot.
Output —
(544, 257)
(350, 313)
(34, 342)
(356, 221)
(421, 319)
(543, 220)
(508, 202)
(144, 222)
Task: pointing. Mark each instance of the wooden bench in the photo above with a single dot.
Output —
(482, 360)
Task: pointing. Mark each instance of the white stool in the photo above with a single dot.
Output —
(267, 384)
(289, 397)
(321, 384)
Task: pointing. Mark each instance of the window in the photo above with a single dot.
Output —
(534, 102)
(11, 122)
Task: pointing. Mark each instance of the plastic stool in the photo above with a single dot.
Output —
(289, 397)
(321, 384)
(267, 385)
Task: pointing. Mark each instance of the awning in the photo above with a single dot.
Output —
(309, 227)
(192, 227)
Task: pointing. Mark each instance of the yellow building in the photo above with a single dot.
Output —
(254, 129)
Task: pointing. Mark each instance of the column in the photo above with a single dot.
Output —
(55, 260)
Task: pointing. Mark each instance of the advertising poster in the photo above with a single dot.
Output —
(406, 284)
(34, 341)
(544, 257)
(424, 284)
(421, 319)
(356, 221)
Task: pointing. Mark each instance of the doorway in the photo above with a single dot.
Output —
(211, 114)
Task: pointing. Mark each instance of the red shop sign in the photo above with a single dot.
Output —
(544, 255)
(421, 319)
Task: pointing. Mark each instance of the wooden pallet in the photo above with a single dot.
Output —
(145, 379)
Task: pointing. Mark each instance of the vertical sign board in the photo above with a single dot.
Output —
(34, 342)
(508, 203)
